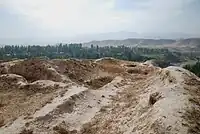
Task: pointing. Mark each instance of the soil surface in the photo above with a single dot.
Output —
(97, 96)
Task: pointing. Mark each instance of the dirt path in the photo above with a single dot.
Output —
(153, 105)
(72, 109)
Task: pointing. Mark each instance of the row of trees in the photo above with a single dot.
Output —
(163, 56)
(92, 52)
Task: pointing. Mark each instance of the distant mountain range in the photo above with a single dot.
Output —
(190, 42)
(131, 42)
(126, 35)
(116, 38)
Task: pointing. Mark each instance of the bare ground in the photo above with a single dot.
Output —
(97, 96)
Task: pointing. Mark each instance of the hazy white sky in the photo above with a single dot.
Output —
(47, 18)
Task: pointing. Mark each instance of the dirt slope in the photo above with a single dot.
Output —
(97, 96)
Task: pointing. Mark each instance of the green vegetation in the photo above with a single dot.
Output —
(195, 68)
(92, 52)
(161, 56)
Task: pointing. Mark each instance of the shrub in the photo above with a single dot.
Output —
(193, 68)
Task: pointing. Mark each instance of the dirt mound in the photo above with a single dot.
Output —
(26, 99)
(140, 69)
(137, 71)
(107, 60)
(44, 86)
(11, 80)
(99, 82)
(4, 66)
(111, 68)
(76, 70)
(166, 76)
(152, 106)
(35, 69)
(110, 65)
(158, 63)
(61, 96)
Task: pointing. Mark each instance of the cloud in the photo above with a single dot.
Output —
(164, 15)
(71, 17)
(76, 16)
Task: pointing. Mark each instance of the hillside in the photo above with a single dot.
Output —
(132, 42)
(97, 96)
(190, 42)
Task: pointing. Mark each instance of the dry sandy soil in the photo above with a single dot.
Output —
(97, 96)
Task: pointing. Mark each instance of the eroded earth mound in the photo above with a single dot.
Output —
(97, 96)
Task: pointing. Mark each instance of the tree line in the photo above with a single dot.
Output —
(63, 51)
(92, 52)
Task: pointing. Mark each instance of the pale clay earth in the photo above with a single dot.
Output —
(147, 100)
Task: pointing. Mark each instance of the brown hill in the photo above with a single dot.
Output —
(97, 96)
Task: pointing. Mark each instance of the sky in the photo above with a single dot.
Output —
(67, 18)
